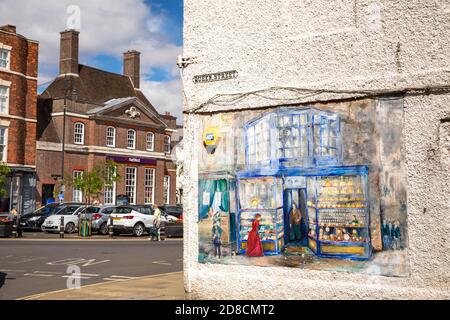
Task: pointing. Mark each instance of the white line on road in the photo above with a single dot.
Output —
(163, 262)
(179, 259)
(77, 277)
(123, 277)
(83, 275)
(38, 275)
(12, 270)
(49, 272)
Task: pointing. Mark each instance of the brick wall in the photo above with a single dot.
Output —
(22, 98)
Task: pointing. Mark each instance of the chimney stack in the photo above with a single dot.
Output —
(132, 66)
(68, 62)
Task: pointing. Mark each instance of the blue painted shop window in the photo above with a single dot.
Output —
(293, 138)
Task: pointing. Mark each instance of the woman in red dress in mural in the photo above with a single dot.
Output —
(254, 247)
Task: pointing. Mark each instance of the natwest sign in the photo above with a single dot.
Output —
(132, 160)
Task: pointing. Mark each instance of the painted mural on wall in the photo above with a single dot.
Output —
(320, 187)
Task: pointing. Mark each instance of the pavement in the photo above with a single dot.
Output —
(34, 266)
(167, 286)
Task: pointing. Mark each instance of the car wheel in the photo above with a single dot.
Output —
(104, 229)
(138, 230)
(70, 228)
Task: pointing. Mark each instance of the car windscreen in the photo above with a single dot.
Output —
(47, 210)
(93, 210)
(67, 210)
(145, 210)
(122, 210)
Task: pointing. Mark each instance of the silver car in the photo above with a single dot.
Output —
(99, 216)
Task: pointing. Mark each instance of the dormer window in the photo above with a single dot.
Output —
(131, 139)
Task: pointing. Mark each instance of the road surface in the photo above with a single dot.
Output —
(31, 267)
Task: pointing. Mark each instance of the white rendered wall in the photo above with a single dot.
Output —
(341, 45)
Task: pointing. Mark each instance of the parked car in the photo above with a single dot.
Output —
(33, 221)
(134, 219)
(173, 210)
(99, 217)
(70, 212)
(174, 227)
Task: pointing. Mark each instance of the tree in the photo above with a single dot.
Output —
(93, 182)
(4, 171)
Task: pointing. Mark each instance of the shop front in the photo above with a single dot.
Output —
(296, 182)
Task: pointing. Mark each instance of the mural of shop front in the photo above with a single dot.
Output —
(319, 186)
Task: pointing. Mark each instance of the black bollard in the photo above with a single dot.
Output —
(111, 227)
(61, 227)
(14, 226)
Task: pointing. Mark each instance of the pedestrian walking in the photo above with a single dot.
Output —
(157, 218)
(16, 219)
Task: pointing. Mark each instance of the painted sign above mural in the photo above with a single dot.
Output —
(307, 187)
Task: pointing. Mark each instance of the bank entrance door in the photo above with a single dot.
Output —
(295, 233)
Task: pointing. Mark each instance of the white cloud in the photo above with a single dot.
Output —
(108, 27)
(165, 96)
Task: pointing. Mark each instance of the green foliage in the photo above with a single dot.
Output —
(92, 183)
(4, 171)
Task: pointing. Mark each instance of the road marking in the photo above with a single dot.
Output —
(12, 271)
(123, 277)
(49, 272)
(76, 261)
(162, 262)
(83, 275)
(38, 275)
(179, 259)
(119, 278)
(26, 259)
(77, 277)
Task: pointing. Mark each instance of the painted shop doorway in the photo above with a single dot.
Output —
(295, 217)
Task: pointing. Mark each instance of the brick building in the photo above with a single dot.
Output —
(18, 91)
(107, 118)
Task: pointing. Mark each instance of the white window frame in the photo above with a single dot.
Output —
(131, 186)
(166, 190)
(8, 57)
(4, 158)
(75, 133)
(113, 137)
(152, 148)
(133, 145)
(110, 189)
(7, 90)
(77, 195)
(165, 145)
(149, 172)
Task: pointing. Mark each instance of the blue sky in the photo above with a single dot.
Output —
(107, 29)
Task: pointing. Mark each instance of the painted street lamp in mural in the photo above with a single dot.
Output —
(294, 158)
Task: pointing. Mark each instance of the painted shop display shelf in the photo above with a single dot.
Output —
(261, 196)
(340, 204)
